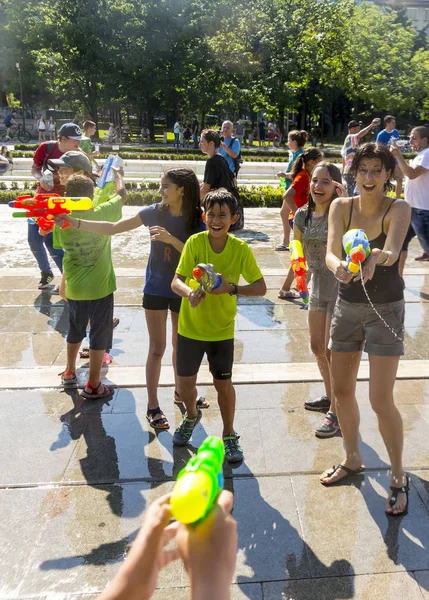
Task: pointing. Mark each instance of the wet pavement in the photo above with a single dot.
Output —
(76, 476)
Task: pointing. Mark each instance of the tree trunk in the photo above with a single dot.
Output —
(282, 124)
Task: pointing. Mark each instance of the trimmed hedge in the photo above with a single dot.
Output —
(255, 196)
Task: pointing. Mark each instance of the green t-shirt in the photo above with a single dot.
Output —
(86, 145)
(87, 262)
(213, 319)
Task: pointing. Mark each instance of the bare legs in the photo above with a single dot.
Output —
(319, 325)
(345, 366)
(284, 214)
(381, 381)
(383, 370)
(157, 328)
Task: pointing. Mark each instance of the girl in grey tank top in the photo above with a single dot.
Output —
(311, 228)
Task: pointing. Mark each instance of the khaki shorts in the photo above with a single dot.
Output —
(315, 304)
(357, 327)
(398, 174)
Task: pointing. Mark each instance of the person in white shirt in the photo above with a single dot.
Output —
(176, 131)
(417, 182)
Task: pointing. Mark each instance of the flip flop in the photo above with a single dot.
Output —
(349, 472)
(288, 295)
(398, 490)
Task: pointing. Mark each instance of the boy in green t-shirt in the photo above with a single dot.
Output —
(206, 322)
(90, 283)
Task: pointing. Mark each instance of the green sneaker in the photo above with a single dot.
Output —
(183, 433)
(233, 451)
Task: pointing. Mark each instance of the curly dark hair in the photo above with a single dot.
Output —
(380, 152)
(210, 135)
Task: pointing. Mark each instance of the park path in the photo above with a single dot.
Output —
(77, 476)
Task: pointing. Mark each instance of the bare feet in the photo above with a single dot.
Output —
(336, 474)
(397, 500)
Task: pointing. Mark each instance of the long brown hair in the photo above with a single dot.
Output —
(308, 154)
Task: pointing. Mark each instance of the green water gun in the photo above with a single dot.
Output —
(199, 484)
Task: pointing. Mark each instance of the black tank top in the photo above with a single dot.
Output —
(385, 286)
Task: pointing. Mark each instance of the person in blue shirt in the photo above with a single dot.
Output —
(385, 137)
(230, 148)
(10, 121)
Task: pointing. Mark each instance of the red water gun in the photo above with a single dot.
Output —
(45, 207)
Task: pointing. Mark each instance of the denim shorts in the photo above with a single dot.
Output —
(315, 304)
(356, 327)
(100, 315)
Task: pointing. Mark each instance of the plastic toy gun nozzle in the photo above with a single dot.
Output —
(197, 273)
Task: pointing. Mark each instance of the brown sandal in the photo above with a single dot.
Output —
(349, 473)
(161, 422)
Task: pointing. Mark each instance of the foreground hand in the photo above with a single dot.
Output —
(209, 550)
(137, 577)
(342, 274)
(224, 288)
(159, 234)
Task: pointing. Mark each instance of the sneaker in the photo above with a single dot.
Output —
(329, 427)
(323, 403)
(183, 433)
(56, 291)
(45, 280)
(233, 451)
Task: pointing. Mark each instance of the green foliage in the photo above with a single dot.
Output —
(226, 57)
(267, 196)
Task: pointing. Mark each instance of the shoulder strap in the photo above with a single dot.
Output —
(350, 217)
(49, 150)
(382, 221)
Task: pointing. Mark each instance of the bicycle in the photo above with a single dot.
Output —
(22, 134)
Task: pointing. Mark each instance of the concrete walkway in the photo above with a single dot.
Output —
(77, 476)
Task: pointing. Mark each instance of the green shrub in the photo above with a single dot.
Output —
(255, 196)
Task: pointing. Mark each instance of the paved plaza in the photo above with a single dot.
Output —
(76, 475)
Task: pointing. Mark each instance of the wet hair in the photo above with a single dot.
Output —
(191, 205)
(80, 185)
(388, 119)
(210, 135)
(379, 151)
(308, 154)
(88, 124)
(300, 137)
(222, 197)
(335, 174)
(423, 131)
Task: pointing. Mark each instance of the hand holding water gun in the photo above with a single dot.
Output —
(357, 248)
(205, 279)
(45, 207)
(299, 266)
(199, 483)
